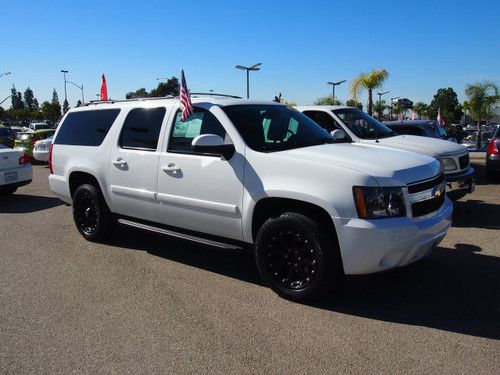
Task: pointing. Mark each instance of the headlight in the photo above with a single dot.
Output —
(448, 164)
(379, 202)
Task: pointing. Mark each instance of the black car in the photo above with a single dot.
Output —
(493, 154)
(7, 136)
(424, 128)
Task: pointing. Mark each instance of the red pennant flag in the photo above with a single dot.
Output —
(104, 89)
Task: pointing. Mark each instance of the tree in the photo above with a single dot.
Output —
(56, 106)
(482, 98)
(29, 99)
(170, 87)
(447, 101)
(355, 104)
(420, 109)
(51, 111)
(17, 100)
(327, 100)
(379, 108)
(368, 81)
(65, 107)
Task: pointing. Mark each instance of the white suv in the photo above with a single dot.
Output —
(243, 173)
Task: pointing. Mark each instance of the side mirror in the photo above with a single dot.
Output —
(212, 144)
(338, 135)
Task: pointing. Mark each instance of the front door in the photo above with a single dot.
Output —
(199, 192)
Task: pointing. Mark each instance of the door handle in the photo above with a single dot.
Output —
(119, 162)
(171, 167)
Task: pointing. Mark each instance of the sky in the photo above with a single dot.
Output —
(424, 45)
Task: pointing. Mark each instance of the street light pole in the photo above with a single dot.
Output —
(65, 93)
(80, 87)
(254, 67)
(392, 101)
(333, 87)
(380, 101)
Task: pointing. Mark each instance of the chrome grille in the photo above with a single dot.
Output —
(427, 196)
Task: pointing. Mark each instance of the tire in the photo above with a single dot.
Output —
(297, 259)
(91, 214)
(7, 191)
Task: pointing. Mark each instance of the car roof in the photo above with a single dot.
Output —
(154, 102)
(321, 107)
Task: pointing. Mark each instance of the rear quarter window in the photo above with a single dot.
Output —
(86, 128)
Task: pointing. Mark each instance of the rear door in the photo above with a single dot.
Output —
(134, 163)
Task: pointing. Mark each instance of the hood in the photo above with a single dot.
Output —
(388, 166)
(433, 147)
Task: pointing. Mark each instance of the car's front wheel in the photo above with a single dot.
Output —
(295, 257)
(91, 214)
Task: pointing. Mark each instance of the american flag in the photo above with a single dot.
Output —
(185, 98)
(440, 118)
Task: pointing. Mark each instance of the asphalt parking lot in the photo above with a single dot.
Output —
(143, 303)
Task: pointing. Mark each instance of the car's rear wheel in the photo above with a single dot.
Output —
(295, 257)
(91, 213)
(7, 191)
(490, 173)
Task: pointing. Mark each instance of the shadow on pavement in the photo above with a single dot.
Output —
(456, 290)
(476, 214)
(24, 203)
(480, 175)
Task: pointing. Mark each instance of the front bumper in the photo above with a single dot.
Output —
(461, 181)
(369, 246)
(41, 155)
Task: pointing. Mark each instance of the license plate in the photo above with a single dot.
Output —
(10, 177)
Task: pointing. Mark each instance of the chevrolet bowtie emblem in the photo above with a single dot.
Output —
(5, 157)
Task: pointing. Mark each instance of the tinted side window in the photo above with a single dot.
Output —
(141, 128)
(323, 119)
(200, 122)
(86, 128)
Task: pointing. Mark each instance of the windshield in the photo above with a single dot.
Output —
(363, 125)
(268, 128)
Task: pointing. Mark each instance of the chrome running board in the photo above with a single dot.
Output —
(183, 236)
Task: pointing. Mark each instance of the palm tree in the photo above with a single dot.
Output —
(420, 109)
(482, 96)
(368, 81)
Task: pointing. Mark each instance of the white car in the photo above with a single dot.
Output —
(359, 127)
(15, 170)
(41, 149)
(240, 173)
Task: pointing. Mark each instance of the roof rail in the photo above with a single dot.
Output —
(214, 94)
(111, 101)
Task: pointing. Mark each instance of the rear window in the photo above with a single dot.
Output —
(86, 128)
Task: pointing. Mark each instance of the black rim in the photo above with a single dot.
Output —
(291, 260)
(86, 212)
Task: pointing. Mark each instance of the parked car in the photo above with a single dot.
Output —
(240, 173)
(358, 127)
(470, 141)
(15, 170)
(39, 126)
(41, 149)
(424, 128)
(493, 154)
(7, 136)
(25, 141)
